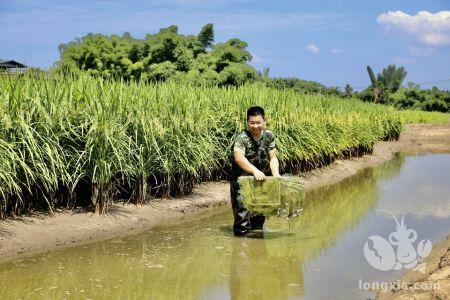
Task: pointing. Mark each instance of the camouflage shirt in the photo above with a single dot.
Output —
(256, 151)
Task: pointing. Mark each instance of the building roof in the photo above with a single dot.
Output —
(11, 64)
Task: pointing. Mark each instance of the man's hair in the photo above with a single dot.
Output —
(255, 111)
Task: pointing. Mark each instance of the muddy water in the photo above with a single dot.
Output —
(317, 256)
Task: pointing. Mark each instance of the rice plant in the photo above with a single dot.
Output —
(416, 116)
(83, 141)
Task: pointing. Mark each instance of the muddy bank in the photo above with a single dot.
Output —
(434, 283)
(40, 233)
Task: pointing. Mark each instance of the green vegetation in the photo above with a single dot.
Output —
(79, 140)
(300, 86)
(414, 116)
(415, 98)
(166, 55)
(196, 60)
(386, 88)
(386, 82)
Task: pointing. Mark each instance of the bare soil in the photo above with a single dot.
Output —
(41, 232)
(433, 284)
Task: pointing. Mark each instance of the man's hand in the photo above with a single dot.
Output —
(258, 175)
(245, 165)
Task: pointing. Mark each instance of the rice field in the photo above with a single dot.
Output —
(84, 142)
(418, 116)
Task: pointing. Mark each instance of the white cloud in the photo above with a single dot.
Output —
(421, 51)
(425, 27)
(403, 60)
(262, 60)
(437, 202)
(335, 50)
(312, 48)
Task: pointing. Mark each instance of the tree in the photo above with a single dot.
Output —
(388, 81)
(237, 74)
(392, 78)
(373, 80)
(412, 85)
(348, 90)
(265, 72)
(166, 55)
(161, 71)
(206, 36)
(232, 51)
(300, 86)
(413, 97)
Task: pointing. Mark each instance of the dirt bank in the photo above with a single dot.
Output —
(39, 233)
(435, 280)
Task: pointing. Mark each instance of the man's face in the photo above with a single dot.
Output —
(255, 124)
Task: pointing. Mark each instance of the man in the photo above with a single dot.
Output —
(253, 153)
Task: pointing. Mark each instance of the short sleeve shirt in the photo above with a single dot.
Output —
(243, 142)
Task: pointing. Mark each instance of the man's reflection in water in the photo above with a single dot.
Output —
(255, 274)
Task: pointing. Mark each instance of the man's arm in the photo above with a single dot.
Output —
(274, 164)
(244, 164)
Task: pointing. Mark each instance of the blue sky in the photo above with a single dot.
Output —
(329, 41)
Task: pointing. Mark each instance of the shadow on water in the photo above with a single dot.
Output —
(257, 234)
(200, 258)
